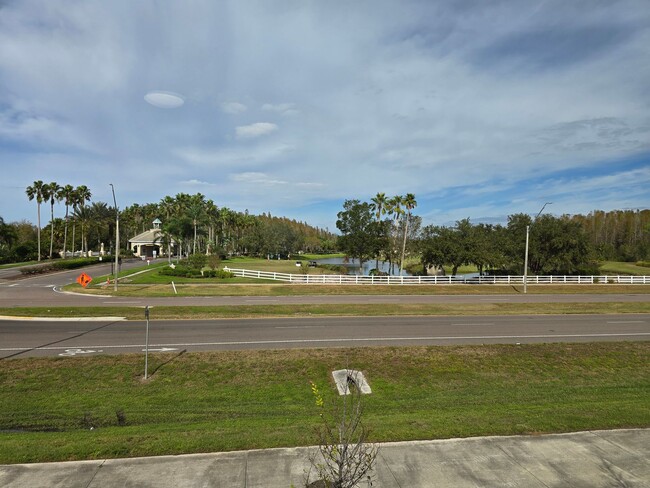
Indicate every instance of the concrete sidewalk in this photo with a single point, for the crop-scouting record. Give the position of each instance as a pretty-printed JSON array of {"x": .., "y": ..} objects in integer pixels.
[{"x": 585, "y": 459}]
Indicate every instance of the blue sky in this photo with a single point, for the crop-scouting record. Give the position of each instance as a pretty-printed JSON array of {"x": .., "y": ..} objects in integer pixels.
[{"x": 481, "y": 109}]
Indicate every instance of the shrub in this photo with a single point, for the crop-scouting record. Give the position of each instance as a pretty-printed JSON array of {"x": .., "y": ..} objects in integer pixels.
[
  {"x": 51, "y": 267},
  {"x": 197, "y": 261}
]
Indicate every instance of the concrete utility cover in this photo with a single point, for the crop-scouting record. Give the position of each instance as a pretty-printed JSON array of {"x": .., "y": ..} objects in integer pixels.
[{"x": 343, "y": 377}]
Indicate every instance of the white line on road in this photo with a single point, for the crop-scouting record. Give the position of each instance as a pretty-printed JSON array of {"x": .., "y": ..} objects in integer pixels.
[
  {"x": 626, "y": 322},
  {"x": 301, "y": 327},
  {"x": 339, "y": 340},
  {"x": 476, "y": 323}
]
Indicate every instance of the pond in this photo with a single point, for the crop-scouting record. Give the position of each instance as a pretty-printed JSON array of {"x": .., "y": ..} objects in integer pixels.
[{"x": 353, "y": 266}]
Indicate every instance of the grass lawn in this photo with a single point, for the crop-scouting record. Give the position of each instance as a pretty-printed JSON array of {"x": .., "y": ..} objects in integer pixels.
[
  {"x": 97, "y": 407},
  {"x": 152, "y": 284},
  {"x": 617, "y": 267},
  {"x": 345, "y": 310}
]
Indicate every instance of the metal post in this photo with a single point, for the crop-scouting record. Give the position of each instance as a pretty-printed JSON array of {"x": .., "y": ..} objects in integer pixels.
[
  {"x": 146, "y": 343},
  {"x": 117, "y": 237},
  {"x": 527, "y": 235}
]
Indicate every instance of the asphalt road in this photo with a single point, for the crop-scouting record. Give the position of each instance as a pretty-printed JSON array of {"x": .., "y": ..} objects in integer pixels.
[
  {"x": 80, "y": 338},
  {"x": 21, "y": 338}
]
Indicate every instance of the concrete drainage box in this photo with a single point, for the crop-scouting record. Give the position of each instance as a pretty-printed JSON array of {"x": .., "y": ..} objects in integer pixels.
[{"x": 344, "y": 378}]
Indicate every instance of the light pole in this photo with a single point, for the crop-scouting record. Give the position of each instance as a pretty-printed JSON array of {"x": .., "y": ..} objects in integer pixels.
[
  {"x": 526, "y": 255},
  {"x": 117, "y": 236}
]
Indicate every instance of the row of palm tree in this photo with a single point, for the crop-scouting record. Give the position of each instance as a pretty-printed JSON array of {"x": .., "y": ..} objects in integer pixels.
[
  {"x": 52, "y": 192},
  {"x": 399, "y": 208}
]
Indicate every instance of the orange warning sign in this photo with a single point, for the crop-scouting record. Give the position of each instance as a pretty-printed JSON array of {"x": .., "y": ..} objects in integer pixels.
[{"x": 84, "y": 279}]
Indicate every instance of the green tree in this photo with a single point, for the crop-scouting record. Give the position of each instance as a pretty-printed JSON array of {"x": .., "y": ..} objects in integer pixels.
[
  {"x": 52, "y": 193},
  {"x": 66, "y": 194},
  {"x": 81, "y": 195},
  {"x": 378, "y": 205},
  {"x": 37, "y": 191},
  {"x": 358, "y": 230},
  {"x": 409, "y": 203}
]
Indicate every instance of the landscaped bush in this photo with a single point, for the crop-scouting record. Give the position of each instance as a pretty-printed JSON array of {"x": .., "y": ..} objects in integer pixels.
[
  {"x": 218, "y": 273},
  {"x": 645, "y": 264},
  {"x": 187, "y": 272},
  {"x": 60, "y": 265}
]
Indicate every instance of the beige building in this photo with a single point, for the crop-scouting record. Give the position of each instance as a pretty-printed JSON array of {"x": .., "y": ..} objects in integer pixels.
[{"x": 150, "y": 244}]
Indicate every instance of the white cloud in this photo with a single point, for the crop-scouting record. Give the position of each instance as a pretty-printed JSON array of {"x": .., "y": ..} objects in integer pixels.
[
  {"x": 255, "y": 130},
  {"x": 254, "y": 178},
  {"x": 255, "y": 155},
  {"x": 164, "y": 99},
  {"x": 281, "y": 108},
  {"x": 233, "y": 107}
]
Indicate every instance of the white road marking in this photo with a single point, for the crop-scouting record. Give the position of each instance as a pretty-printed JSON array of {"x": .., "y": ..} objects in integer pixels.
[
  {"x": 74, "y": 352},
  {"x": 476, "y": 323},
  {"x": 301, "y": 327},
  {"x": 626, "y": 322},
  {"x": 336, "y": 340}
]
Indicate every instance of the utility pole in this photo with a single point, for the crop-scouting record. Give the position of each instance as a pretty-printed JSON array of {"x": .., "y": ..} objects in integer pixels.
[
  {"x": 117, "y": 237},
  {"x": 526, "y": 256}
]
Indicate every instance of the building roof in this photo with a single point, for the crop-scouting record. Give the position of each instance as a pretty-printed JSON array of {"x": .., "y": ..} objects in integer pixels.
[{"x": 146, "y": 237}]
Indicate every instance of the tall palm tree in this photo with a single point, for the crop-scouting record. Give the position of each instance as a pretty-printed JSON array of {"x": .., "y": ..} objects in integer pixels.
[
  {"x": 394, "y": 208},
  {"x": 67, "y": 195},
  {"x": 379, "y": 206},
  {"x": 82, "y": 195},
  {"x": 52, "y": 193},
  {"x": 196, "y": 211},
  {"x": 409, "y": 203},
  {"x": 37, "y": 191}
]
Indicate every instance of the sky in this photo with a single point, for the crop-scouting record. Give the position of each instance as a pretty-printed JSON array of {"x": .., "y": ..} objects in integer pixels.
[{"x": 480, "y": 109}]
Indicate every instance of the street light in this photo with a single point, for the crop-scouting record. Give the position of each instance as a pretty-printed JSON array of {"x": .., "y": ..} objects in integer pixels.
[
  {"x": 526, "y": 256},
  {"x": 117, "y": 236}
]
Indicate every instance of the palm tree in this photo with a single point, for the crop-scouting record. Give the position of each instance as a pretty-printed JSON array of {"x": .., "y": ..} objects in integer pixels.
[
  {"x": 409, "y": 203},
  {"x": 394, "y": 208},
  {"x": 82, "y": 195},
  {"x": 51, "y": 193},
  {"x": 67, "y": 195},
  {"x": 37, "y": 190},
  {"x": 379, "y": 205},
  {"x": 196, "y": 211}
]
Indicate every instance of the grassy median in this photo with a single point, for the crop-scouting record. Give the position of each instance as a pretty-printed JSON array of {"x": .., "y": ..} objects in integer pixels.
[
  {"x": 98, "y": 407},
  {"x": 342, "y": 310}
]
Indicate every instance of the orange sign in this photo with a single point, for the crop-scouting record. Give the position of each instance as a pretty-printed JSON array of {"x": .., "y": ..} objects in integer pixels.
[{"x": 84, "y": 279}]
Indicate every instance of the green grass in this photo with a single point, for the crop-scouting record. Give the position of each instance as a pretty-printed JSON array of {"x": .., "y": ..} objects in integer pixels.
[
  {"x": 151, "y": 284},
  {"x": 16, "y": 265},
  {"x": 225, "y": 401},
  {"x": 346, "y": 310},
  {"x": 618, "y": 267}
]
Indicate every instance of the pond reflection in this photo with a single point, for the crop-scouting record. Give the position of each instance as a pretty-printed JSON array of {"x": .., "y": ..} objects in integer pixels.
[{"x": 353, "y": 266}]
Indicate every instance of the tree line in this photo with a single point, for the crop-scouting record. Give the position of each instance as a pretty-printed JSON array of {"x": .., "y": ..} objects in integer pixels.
[
  {"x": 384, "y": 228},
  {"x": 557, "y": 245},
  {"x": 194, "y": 223}
]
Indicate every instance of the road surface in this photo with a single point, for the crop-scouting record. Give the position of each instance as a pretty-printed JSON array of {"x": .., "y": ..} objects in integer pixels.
[{"x": 80, "y": 338}]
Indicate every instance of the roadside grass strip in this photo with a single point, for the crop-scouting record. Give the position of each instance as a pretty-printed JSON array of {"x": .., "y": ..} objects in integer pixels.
[
  {"x": 100, "y": 407},
  {"x": 343, "y": 310},
  {"x": 236, "y": 287}
]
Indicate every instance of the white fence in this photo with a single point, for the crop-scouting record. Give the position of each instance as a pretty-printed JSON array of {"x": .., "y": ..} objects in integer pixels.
[{"x": 437, "y": 280}]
